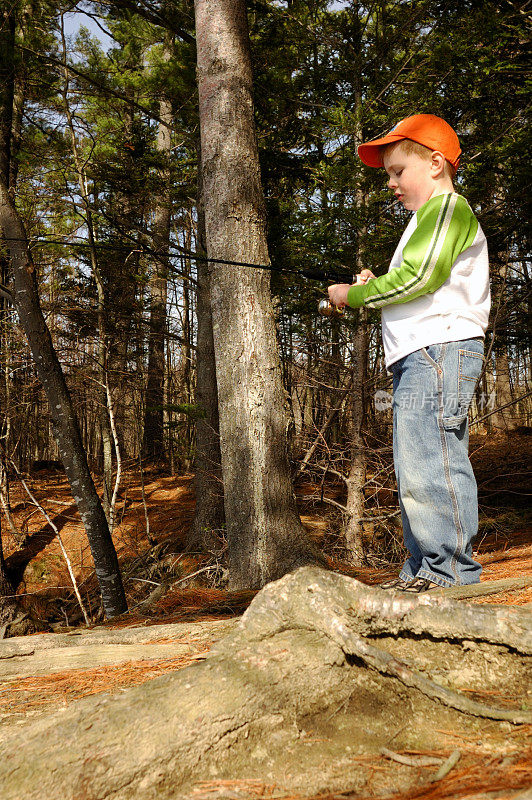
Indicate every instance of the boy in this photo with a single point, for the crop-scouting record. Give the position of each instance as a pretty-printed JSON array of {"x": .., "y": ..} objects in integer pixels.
[{"x": 435, "y": 301}]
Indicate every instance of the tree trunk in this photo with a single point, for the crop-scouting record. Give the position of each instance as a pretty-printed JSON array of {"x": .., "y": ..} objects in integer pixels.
[
  {"x": 209, "y": 513},
  {"x": 7, "y": 86},
  {"x": 19, "y": 94},
  {"x": 184, "y": 371},
  {"x": 153, "y": 438},
  {"x": 8, "y": 602},
  {"x": 505, "y": 420},
  {"x": 122, "y": 287},
  {"x": 65, "y": 424},
  {"x": 265, "y": 536},
  {"x": 354, "y": 534},
  {"x": 310, "y": 646}
]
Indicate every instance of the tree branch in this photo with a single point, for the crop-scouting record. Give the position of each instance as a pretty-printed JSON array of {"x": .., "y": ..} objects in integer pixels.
[{"x": 151, "y": 13}]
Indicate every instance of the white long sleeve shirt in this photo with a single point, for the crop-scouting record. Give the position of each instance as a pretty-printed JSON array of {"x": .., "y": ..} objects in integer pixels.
[{"x": 437, "y": 286}]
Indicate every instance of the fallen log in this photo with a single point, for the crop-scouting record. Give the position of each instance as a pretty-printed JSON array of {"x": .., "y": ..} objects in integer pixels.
[
  {"x": 43, "y": 654},
  {"x": 487, "y": 588},
  {"x": 136, "y": 634}
]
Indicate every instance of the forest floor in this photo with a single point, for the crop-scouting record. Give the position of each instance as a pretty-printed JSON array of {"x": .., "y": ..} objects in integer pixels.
[{"x": 181, "y": 596}]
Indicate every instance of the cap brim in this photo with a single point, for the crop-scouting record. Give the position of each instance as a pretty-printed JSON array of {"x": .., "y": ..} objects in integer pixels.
[{"x": 371, "y": 153}]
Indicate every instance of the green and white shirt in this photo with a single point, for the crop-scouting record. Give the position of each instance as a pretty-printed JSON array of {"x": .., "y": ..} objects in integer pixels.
[{"x": 437, "y": 286}]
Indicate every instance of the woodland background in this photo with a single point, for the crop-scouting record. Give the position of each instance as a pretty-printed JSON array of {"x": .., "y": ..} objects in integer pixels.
[{"x": 103, "y": 169}]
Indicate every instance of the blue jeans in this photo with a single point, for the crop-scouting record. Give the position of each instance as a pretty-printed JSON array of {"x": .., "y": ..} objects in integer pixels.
[{"x": 433, "y": 388}]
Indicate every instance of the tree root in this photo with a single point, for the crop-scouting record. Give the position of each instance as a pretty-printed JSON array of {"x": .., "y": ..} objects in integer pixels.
[
  {"x": 447, "y": 766},
  {"x": 383, "y": 662},
  {"x": 308, "y": 597},
  {"x": 313, "y": 599},
  {"x": 285, "y": 658}
]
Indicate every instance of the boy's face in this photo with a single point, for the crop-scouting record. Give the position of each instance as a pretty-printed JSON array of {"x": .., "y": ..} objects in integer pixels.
[{"x": 411, "y": 176}]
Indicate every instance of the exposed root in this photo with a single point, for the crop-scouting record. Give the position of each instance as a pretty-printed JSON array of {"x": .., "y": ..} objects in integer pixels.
[
  {"x": 336, "y": 605},
  {"x": 309, "y": 597},
  {"x": 383, "y": 662}
]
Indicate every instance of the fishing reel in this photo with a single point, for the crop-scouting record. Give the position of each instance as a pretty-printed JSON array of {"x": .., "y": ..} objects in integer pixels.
[{"x": 328, "y": 309}]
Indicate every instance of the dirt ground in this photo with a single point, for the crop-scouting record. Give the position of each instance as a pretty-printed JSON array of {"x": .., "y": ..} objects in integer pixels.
[{"x": 495, "y": 759}]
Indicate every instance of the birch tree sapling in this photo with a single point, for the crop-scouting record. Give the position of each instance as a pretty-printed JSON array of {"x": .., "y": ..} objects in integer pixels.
[
  {"x": 153, "y": 443},
  {"x": 354, "y": 534},
  {"x": 87, "y": 215},
  {"x": 265, "y": 536}
]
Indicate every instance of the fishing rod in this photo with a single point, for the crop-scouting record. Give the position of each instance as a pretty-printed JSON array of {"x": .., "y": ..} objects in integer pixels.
[
  {"x": 325, "y": 307},
  {"x": 307, "y": 273}
]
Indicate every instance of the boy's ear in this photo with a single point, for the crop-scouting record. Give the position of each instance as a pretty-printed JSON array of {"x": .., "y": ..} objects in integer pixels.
[{"x": 438, "y": 163}]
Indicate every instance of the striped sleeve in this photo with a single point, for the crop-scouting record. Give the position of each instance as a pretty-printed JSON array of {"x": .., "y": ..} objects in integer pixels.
[{"x": 446, "y": 227}]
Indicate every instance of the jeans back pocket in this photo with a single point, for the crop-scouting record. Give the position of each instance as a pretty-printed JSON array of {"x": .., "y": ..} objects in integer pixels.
[{"x": 469, "y": 369}]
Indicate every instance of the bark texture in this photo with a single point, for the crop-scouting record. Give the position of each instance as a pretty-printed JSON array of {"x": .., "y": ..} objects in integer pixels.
[
  {"x": 7, "y": 85},
  {"x": 308, "y": 642},
  {"x": 265, "y": 536}
]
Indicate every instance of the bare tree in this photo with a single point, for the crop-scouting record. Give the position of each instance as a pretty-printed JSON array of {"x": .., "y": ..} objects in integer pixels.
[
  {"x": 88, "y": 218},
  {"x": 26, "y": 301},
  {"x": 357, "y": 472}
]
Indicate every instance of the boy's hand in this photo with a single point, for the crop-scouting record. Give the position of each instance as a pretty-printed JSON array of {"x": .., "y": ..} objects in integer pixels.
[
  {"x": 338, "y": 294},
  {"x": 338, "y": 291},
  {"x": 364, "y": 276}
]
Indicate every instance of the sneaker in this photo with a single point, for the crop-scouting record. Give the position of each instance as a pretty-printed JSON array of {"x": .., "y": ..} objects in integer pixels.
[
  {"x": 394, "y": 583},
  {"x": 417, "y": 585}
]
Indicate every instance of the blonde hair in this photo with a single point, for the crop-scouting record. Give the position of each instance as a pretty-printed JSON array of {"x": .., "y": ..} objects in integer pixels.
[{"x": 409, "y": 147}]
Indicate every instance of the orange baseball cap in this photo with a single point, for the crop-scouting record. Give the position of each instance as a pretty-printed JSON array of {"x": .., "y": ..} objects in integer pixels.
[{"x": 425, "y": 129}]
